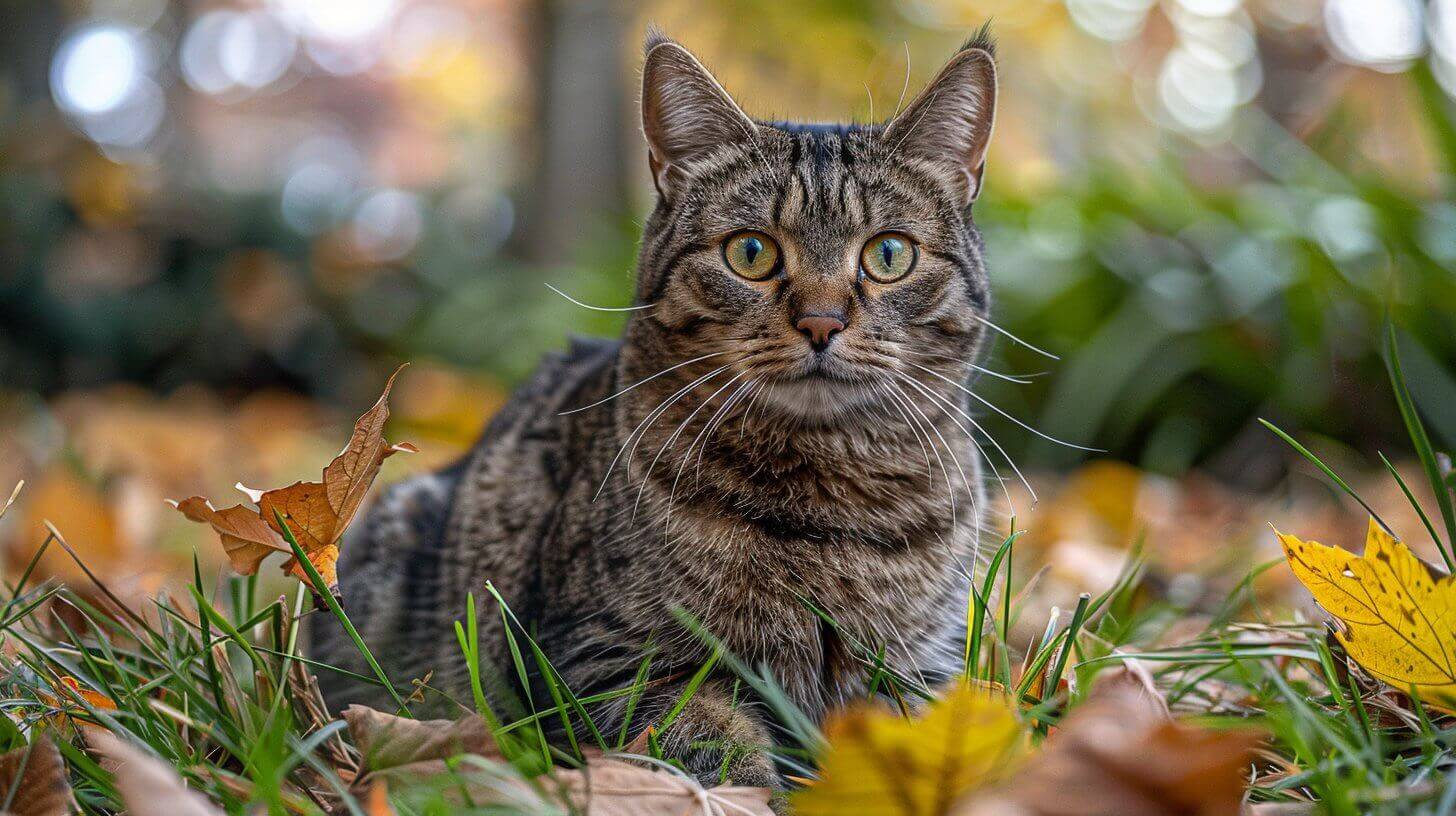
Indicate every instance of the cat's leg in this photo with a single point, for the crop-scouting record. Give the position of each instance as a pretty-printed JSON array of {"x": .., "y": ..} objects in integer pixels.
[{"x": 718, "y": 739}]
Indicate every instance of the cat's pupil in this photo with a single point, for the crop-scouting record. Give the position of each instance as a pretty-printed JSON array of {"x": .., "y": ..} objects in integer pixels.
[
  {"x": 887, "y": 250},
  {"x": 751, "y": 248}
]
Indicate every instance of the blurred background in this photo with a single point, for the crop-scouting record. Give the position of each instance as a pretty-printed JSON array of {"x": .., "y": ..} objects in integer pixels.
[{"x": 223, "y": 223}]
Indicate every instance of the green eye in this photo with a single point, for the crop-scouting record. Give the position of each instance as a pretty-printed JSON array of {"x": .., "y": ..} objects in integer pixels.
[
  {"x": 888, "y": 257},
  {"x": 751, "y": 254}
]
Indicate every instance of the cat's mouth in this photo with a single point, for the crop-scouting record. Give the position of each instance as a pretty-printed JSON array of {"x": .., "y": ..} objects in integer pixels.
[{"x": 823, "y": 368}]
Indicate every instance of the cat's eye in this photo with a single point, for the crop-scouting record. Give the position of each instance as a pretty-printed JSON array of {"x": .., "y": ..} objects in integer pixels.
[
  {"x": 888, "y": 257},
  {"x": 751, "y": 254}
]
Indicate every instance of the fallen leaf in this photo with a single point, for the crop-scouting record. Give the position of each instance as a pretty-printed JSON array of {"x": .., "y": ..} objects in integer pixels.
[
  {"x": 612, "y": 787},
  {"x": 148, "y": 786},
  {"x": 33, "y": 780},
  {"x": 377, "y": 803},
  {"x": 246, "y": 538},
  {"x": 89, "y": 515},
  {"x": 400, "y": 754},
  {"x": 316, "y": 513},
  {"x": 1120, "y": 753},
  {"x": 880, "y": 763},
  {"x": 387, "y": 741},
  {"x": 95, "y": 698},
  {"x": 1398, "y": 613}
]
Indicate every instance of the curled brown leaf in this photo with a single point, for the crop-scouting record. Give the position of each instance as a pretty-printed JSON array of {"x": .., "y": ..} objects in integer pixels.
[{"x": 33, "y": 780}]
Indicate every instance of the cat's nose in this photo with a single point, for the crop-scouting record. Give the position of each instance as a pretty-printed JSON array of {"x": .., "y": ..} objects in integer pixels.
[{"x": 820, "y": 329}]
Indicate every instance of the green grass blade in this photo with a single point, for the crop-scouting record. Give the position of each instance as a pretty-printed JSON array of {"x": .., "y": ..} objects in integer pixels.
[
  {"x": 1410, "y": 497},
  {"x": 1334, "y": 477},
  {"x": 321, "y": 590},
  {"x": 1422, "y": 443},
  {"x": 694, "y": 683}
]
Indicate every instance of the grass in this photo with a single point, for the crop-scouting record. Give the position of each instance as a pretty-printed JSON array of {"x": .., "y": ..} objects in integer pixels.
[{"x": 223, "y": 692}]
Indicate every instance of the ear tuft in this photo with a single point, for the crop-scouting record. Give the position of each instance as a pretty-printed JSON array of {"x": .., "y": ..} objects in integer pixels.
[
  {"x": 982, "y": 40},
  {"x": 950, "y": 121},
  {"x": 654, "y": 38}
]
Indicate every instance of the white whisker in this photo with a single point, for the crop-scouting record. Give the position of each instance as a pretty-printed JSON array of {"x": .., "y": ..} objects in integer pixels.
[
  {"x": 949, "y": 485},
  {"x": 600, "y": 308},
  {"x": 993, "y": 407},
  {"x": 674, "y": 436},
  {"x": 642, "y": 382},
  {"x": 913, "y": 427},
  {"x": 938, "y": 399},
  {"x": 948, "y": 449},
  {"x": 1013, "y": 338},
  {"x": 662, "y": 406}
]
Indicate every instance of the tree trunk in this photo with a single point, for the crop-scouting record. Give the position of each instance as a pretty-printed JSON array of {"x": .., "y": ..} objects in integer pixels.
[{"x": 580, "y": 174}]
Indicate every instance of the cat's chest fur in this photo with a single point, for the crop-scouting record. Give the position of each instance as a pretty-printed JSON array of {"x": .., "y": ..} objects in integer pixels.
[{"x": 804, "y": 555}]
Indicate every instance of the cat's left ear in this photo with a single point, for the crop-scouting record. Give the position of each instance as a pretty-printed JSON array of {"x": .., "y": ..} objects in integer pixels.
[
  {"x": 686, "y": 114},
  {"x": 951, "y": 120}
]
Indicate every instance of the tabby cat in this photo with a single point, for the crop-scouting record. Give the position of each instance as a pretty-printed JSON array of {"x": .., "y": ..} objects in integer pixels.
[{"x": 782, "y": 425}]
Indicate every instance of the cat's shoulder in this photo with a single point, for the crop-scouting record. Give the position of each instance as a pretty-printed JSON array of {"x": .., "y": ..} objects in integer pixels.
[{"x": 559, "y": 381}]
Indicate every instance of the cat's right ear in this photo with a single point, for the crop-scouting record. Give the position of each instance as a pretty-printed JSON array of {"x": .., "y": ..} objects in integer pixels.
[{"x": 686, "y": 114}]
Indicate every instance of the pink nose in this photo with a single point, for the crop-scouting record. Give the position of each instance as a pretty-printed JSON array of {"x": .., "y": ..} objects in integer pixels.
[{"x": 819, "y": 329}]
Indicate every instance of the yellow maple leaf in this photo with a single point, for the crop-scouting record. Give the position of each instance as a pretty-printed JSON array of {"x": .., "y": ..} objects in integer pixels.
[
  {"x": 881, "y": 764},
  {"x": 317, "y": 513},
  {"x": 1399, "y": 613}
]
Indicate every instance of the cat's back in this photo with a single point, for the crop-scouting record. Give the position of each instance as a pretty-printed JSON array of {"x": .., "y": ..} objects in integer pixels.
[{"x": 405, "y": 569}]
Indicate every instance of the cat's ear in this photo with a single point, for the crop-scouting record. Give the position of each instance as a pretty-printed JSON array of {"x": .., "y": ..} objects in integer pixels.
[
  {"x": 951, "y": 120},
  {"x": 686, "y": 114}
]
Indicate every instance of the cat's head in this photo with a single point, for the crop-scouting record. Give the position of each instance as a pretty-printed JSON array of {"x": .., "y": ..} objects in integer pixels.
[{"x": 822, "y": 262}]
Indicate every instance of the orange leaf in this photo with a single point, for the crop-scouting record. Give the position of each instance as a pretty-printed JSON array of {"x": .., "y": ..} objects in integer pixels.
[
  {"x": 246, "y": 538},
  {"x": 316, "y": 513}
]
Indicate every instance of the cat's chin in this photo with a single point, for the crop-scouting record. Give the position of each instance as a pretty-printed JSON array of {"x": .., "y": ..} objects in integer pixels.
[{"x": 818, "y": 398}]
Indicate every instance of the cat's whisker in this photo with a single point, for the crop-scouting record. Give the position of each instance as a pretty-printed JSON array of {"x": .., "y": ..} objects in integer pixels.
[
  {"x": 720, "y": 417},
  {"x": 913, "y": 427},
  {"x": 966, "y": 482},
  {"x": 986, "y": 321},
  {"x": 704, "y": 436},
  {"x": 643, "y": 424},
  {"x": 942, "y": 403},
  {"x": 643, "y": 382},
  {"x": 1019, "y": 379},
  {"x": 664, "y": 407},
  {"x": 748, "y": 409},
  {"x": 995, "y": 408},
  {"x": 672, "y": 439},
  {"x": 905, "y": 87},
  {"x": 990, "y": 438},
  {"x": 949, "y": 485},
  {"x": 600, "y": 308}
]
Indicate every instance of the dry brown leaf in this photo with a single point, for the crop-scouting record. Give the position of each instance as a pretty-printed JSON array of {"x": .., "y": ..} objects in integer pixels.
[
  {"x": 33, "y": 777},
  {"x": 377, "y": 803},
  {"x": 612, "y": 787},
  {"x": 148, "y": 786},
  {"x": 317, "y": 513},
  {"x": 90, "y": 517},
  {"x": 95, "y": 698},
  {"x": 1120, "y": 753},
  {"x": 246, "y": 538},
  {"x": 400, "y": 752},
  {"x": 387, "y": 741}
]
